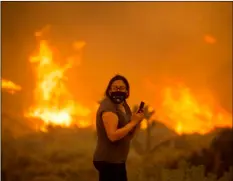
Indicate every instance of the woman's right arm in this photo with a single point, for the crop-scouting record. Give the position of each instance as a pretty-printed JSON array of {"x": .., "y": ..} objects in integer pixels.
[{"x": 110, "y": 121}]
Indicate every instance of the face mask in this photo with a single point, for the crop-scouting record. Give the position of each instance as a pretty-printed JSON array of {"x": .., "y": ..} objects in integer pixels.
[{"x": 118, "y": 97}]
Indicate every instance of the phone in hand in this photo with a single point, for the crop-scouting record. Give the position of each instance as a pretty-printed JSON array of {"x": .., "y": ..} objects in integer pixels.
[{"x": 141, "y": 106}]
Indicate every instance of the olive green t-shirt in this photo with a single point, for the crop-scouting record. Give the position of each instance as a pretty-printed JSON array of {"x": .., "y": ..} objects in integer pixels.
[{"x": 106, "y": 150}]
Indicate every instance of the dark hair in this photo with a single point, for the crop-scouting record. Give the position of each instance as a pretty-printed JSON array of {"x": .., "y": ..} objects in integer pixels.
[{"x": 117, "y": 77}]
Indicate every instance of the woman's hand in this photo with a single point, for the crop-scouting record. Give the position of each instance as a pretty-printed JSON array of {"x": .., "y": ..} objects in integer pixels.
[{"x": 137, "y": 117}]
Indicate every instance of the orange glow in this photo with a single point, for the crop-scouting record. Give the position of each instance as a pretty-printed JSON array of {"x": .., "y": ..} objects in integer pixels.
[
  {"x": 143, "y": 124},
  {"x": 53, "y": 102},
  {"x": 10, "y": 86},
  {"x": 209, "y": 39},
  {"x": 185, "y": 113},
  {"x": 179, "y": 108}
]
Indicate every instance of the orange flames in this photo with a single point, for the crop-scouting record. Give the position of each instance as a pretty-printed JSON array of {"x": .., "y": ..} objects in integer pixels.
[
  {"x": 53, "y": 102},
  {"x": 186, "y": 113},
  {"x": 10, "y": 86}
]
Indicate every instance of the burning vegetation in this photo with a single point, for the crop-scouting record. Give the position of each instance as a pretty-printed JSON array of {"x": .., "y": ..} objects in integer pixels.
[
  {"x": 179, "y": 108},
  {"x": 179, "y": 113},
  {"x": 10, "y": 86},
  {"x": 53, "y": 102},
  {"x": 185, "y": 113}
]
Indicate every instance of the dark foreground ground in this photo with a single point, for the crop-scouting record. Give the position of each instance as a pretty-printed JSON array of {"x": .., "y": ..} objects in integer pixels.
[{"x": 66, "y": 155}]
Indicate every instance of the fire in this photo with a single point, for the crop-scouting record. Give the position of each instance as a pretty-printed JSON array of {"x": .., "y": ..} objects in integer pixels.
[
  {"x": 10, "y": 86},
  {"x": 53, "y": 102},
  {"x": 185, "y": 113},
  {"x": 143, "y": 124}
]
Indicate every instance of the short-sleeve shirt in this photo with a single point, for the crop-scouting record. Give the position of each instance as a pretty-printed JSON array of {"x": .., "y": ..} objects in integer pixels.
[{"x": 106, "y": 150}]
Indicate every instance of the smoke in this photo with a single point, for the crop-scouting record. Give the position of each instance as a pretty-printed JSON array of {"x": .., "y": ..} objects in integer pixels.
[
  {"x": 191, "y": 42},
  {"x": 154, "y": 40},
  {"x": 173, "y": 36}
]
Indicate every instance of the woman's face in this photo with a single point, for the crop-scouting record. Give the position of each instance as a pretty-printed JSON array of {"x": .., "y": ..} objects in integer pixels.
[
  {"x": 118, "y": 85},
  {"x": 118, "y": 92}
]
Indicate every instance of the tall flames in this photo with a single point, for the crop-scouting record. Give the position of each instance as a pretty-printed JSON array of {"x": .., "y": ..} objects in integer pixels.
[
  {"x": 53, "y": 102},
  {"x": 184, "y": 112}
]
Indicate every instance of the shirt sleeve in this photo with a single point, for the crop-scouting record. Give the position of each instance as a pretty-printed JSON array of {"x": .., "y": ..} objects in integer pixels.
[{"x": 107, "y": 106}]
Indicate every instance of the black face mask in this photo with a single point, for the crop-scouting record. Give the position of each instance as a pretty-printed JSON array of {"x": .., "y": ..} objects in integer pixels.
[{"x": 118, "y": 97}]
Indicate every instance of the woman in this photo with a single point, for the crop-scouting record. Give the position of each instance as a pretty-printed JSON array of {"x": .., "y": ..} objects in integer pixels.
[{"x": 115, "y": 126}]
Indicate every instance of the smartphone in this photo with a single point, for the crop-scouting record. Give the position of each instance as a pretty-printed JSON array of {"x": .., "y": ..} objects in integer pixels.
[{"x": 141, "y": 106}]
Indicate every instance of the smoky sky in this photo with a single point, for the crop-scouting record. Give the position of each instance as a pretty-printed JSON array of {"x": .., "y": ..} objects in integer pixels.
[{"x": 142, "y": 40}]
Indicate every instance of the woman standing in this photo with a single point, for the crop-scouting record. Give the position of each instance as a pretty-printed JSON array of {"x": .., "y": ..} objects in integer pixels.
[{"x": 115, "y": 126}]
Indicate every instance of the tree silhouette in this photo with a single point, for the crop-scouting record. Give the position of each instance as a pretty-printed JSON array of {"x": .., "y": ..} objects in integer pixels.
[{"x": 150, "y": 123}]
